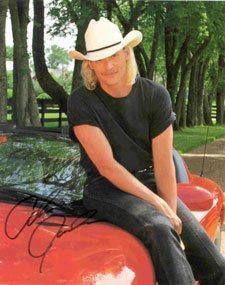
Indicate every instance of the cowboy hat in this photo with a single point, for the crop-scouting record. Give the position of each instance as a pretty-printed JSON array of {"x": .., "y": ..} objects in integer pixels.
[{"x": 103, "y": 38}]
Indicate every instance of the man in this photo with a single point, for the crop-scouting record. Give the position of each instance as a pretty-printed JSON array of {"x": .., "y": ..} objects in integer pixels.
[{"x": 123, "y": 124}]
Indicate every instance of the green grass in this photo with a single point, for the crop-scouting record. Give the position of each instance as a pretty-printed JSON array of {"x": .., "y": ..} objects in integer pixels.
[
  {"x": 55, "y": 124},
  {"x": 189, "y": 138},
  {"x": 53, "y": 115},
  {"x": 47, "y": 116}
]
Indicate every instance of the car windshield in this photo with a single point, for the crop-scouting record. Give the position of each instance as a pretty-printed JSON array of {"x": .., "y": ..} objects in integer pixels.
[{"x": 42, "y": 165}]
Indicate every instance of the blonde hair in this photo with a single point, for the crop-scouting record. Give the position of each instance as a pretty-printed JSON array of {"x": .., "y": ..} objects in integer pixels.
[{"x": 90, "y": 80}]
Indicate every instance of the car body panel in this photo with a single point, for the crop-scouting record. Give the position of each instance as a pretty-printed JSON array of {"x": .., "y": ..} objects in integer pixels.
[
  {"x": 42, "y": 246},
  {"x": 79, "y": 256}
]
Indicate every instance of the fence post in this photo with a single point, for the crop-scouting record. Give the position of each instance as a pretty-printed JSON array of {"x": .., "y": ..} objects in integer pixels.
[
  {"x": 42, "y": 112},
  {"x": 60, "y": 117}
]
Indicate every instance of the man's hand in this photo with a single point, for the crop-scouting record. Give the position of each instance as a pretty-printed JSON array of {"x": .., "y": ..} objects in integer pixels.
[{"x": 165, "y": 209}]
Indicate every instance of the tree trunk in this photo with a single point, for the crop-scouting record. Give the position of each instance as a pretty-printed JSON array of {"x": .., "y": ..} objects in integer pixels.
[
  {"x": 220, "y": 93},
  {"x": 3, "y": 74},
  {"x": 25, "y": 108},
  {"x": 140, "y": 62},
  {"x": 200, "y": 98},
  {"x": 207, "y": 109},
  {"x": 183, "y": 118},
  {"x": 155, "y": 43},
  {"x": 181, "y": 103},
  {"x": 46, "y": 81},
  {"x": 169, "y": 57},
  {"x": 181, "y": 95},
  {"x": 220, "y": 96},
  {"x": 192, "y": 98},
  {"x": 108, "y": 5}
]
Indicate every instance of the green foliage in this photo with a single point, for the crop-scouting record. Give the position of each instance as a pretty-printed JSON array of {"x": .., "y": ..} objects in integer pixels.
[
  {"x": 10, "y": 79},
  {"x": 62, "y": 14},
  {"x": 57, "y": 57},
  {"x": 9, "y": 93},
  {"x": 37, "y": 88},
  {"x": 67, "y": 12},
  {"x": 44, "y": 96},
  {"x": 192, "y": 20},
  {"x": 65, "y": 80},
  {"x": 215, "y": 15},
  {"x": 9, "y": 53}
]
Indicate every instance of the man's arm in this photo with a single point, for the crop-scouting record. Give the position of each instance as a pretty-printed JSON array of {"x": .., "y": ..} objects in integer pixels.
[
  {"x": 162, "y": 147},
  {"x": 99, "y": 151}
]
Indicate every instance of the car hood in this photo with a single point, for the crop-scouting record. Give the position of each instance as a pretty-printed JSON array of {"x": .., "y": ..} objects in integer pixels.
[{"x": 67, "y": 250}]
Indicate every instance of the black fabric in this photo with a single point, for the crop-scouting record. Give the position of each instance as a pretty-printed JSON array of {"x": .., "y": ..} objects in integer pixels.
[{"x": 142, "y": 115}]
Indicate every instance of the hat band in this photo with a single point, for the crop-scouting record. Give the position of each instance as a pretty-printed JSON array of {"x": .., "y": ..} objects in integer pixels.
[{"x": 104, "y": 47}]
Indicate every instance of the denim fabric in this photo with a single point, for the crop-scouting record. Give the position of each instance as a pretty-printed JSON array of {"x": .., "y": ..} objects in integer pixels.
[{"x": 201, "y": 259}]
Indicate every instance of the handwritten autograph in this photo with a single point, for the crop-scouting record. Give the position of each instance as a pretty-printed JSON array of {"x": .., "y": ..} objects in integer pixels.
[{"x": 42, "y": 213}]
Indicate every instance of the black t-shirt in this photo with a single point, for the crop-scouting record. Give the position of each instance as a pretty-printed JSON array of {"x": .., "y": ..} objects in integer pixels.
[{"x": 142, "y": 115}]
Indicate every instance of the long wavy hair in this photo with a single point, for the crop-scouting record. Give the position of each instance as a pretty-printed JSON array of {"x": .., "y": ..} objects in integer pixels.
[{"x": 90, "y": 80}]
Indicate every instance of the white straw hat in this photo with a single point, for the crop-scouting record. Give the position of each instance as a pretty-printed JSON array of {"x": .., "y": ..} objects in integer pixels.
[{"x": 103, "y": 38}]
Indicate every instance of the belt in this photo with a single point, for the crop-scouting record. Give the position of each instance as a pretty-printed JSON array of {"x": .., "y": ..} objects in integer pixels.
[
  {"x": 149, "y": 169},
  {"x": 137, "y": 173}
]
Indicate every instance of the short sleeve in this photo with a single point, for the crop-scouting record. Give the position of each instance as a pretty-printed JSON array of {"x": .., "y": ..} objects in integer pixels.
[
  {"x": 162, "y": 115},
  {"x": 79, "y": 113}
]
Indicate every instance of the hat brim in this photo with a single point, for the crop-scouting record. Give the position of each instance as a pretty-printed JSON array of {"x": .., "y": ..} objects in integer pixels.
[{"x": 132, "y": 39}]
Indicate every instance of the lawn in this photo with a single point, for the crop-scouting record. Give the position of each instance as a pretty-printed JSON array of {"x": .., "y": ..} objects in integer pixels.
[{"x": 189, "y": 138}]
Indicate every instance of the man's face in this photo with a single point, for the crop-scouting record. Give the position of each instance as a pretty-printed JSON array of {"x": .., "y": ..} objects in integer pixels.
[{"x": 111, "y": 71}]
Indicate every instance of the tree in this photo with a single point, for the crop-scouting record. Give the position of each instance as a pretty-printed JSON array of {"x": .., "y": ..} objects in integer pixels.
[
  {"x": 192, "y": 96},
  {"x": 3, "y": 76},
  {"x": 220, "y": 92},
  {"x": 128, "y": 15},
  {"x": 78, "y": 12},
  {"x": 57, "y": 57},
  {"x": 179, "y": 45},
  {"x": 25, "y": 108},
  {"x": 155, "y": 43},
  {"x": 46, "y": 81},
  {"x": 220, "y": 44}
]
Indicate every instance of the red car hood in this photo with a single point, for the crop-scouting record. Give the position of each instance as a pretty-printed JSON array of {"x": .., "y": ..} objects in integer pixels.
[
  {"x": 82, "y": 255},
  {"x": 68, "y": 250}
]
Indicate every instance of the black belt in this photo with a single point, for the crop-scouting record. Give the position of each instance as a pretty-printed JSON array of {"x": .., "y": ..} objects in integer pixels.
[
  {"x": 149, "y": 169},
  {"x": 136, "y": 173}
]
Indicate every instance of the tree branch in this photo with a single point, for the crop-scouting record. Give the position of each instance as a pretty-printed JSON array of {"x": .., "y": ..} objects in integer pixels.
[
  {"x": 121, "y": 18},
  {"x": 183, "y": 51},
  {"x": 199, "y": 51}
]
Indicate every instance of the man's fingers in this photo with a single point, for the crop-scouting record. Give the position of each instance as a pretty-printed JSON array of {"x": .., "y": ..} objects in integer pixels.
[{"x": 177, "y": 224}]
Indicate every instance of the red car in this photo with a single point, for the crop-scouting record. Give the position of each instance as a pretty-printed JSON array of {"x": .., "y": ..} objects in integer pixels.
[{"x": 48, "y": 237}]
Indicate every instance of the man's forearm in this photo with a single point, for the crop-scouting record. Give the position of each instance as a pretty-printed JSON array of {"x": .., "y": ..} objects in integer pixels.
[
  {"x": 167, "y": 185},
  {"x": 124, "y": 180}
]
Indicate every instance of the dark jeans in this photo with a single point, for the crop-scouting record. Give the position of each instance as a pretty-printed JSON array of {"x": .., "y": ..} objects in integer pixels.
[{"x": 201, "y": 259}]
